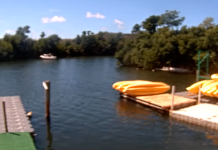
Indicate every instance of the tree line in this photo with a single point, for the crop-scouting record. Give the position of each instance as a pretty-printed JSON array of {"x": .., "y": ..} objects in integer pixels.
[
  {"x": 20, "y": 46},
  {"x": 160, "y": 40}
]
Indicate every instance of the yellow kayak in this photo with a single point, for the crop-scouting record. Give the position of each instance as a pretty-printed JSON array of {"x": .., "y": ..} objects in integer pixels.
[
  {"x": 144, "y": 93},
  {"x": 194, "y": 88}
]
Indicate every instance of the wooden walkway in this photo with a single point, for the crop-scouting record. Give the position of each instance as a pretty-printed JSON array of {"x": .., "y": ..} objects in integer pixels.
[
  {"x": 163, "y": 101},
  {"x": 204, "y": 99},
  {"x": 185, "y": 107}
]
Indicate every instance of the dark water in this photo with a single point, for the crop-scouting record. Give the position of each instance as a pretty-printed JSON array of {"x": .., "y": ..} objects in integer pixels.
[{"x": 87, "y": 114}]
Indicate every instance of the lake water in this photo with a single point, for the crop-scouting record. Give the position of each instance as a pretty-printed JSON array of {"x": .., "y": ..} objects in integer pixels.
[{"x": 87, "y": 114}]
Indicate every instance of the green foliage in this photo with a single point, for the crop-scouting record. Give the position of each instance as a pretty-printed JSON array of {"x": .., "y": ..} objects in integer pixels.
[
  {"x": 22, "y": 31},
  {"x": 6, "y": 50},
  {"x": 207, "y": 23},
  {"x": 136, "y": 28},
  {"x": 171, "y": 19},
  {"x": 151, "y": 23},
  {"x": 42, "y": 35},
  {"x": 163, "y": 45},
  {"x": 20, "y": 46}
]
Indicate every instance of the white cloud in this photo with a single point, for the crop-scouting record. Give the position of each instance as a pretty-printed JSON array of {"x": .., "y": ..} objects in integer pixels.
[
  {"x": 10, "y": 31},
  {"x": 53, "y": 19},
  {"x": 45, "y": 20},
  {"x": 118, "y": 21},
  {"x": 104, "y": 29},
  {"x": 97, "y": 15},
  {"x": 58, "y": 19},
  {"x": 34, "y": 35},
  {"x": 119, "y": 24}
]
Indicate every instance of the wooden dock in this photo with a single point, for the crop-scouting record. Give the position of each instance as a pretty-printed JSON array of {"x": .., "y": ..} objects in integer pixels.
[
  {"x": 163, "y": 101},
  {"x": 186, "y": 107}
]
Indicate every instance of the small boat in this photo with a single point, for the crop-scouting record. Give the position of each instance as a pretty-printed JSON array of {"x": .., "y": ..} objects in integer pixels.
[
  {"x": 48, "y": 56},
  {"x": 172, "y": 69}
]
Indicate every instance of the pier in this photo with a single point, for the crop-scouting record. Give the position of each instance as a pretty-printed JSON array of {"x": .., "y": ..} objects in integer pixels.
[
  {"x": 164, "y": 101},
  {"x": 202, "y": 114},
  {"x": 15, "y": 128},
  {"x": 183, "y": 106}
]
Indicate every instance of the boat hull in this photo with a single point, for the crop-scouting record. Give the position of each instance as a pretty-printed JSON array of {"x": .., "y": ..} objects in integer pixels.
[
  {"x": 171, "y": 69},
  {"x": 48, "y": 57}
]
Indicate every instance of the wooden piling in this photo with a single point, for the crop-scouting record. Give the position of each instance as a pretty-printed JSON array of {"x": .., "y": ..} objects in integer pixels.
[
  {"x": 46, "y": 85},
  {"x": 5, "y": 117},
  {"x": 199, "y": 95},
  {"x": 173, "y": 91},
  {"x": 49, "y": 136},
  {"x": 197, "y": 75}
]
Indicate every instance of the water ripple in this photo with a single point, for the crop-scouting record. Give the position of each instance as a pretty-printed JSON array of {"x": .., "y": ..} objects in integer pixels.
[{"x": 86, "y": 113}]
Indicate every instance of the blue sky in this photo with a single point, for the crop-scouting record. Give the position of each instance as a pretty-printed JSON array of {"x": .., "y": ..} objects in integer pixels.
[{"x": 67, "y": 18}]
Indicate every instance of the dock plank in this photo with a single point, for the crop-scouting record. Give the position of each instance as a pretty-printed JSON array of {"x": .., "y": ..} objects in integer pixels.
[
  {"x": 186, "y": 108},
  {"x": 165, "y": 100}
]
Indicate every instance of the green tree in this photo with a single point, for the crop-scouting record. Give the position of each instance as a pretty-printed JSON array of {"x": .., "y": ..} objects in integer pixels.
[
  {"x": 207, "y": 23},
  {"x": 42, "y": 35},
  {"x": 22, "y": 45},
  {"x": 136, "y": 28},
  {"x": 22, "y": 31},
  {"x": 171, "y": 19},
  {"x": 151, "y": 23},
  {"x": 87, "y": 43},
  {"x": 6, "y": 50}
]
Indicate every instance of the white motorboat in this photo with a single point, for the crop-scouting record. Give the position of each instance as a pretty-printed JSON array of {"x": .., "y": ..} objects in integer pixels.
[
  {"x": 48, "y": 56},
  {"x": 172, "y": 69}
]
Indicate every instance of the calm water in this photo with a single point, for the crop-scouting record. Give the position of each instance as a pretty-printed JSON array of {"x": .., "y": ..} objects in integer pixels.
[{"x": 87, "y": 114}]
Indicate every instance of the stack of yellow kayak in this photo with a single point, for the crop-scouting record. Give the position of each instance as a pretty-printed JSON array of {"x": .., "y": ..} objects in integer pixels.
[
  {"x": 208, "y": 87},
  {"x": 140, "y": 87}
]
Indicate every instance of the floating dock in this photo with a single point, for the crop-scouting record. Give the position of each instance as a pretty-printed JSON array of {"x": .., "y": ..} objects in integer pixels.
[
  {"x": 202, "y": 114},
  {"x": 163, "y": 101},
  {"x": 185, "y": 107},
  {"x": 15, "y": 127},
  {"x": 16, "y": 119},
  {"x": 16, "y": 141}
]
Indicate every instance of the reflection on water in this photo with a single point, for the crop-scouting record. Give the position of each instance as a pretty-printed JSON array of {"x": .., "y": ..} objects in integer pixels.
[
  {"x": 127, "y": 108},
  {"x": 213, "y": 137},
  {"x": 210, "y": 134},
  {"x": 133, "y": 110},
  {"x": 86, "y": 113},
  {"x": 130, "y": 109},
  {"x": 49, "y": 134}
]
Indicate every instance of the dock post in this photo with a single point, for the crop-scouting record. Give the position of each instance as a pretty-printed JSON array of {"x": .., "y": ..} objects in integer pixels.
[
  {"x": 49, "y": 136},
  {"x": 5, "y": 119},
  {"x": 46, "y": 85},
  {"x": 199, "y": 95},
  {"x": 197, "y": 75},
  {"x": 173, "y": 91}
]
